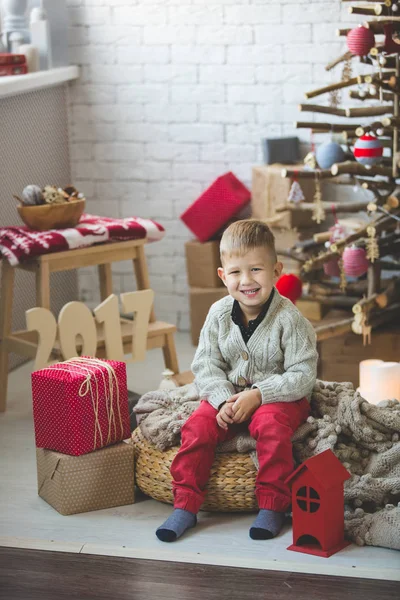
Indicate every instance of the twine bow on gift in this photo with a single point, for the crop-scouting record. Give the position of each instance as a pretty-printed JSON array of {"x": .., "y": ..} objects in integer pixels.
[{"x": 89, "y": 366}]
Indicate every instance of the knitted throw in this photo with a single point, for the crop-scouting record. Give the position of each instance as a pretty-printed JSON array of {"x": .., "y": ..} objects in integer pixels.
[{"x": 364, "y": 437}]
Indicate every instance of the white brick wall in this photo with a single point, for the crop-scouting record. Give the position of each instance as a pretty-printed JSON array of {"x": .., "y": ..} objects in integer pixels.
[{"x": 174, "y": 93}]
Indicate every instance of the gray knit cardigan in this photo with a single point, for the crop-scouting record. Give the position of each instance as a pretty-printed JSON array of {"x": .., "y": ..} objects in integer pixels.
[{"x": 280, "y": 358}]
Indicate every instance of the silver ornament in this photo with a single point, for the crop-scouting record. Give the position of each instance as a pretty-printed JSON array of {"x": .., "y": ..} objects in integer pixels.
[{"x": 32, "y": 194}]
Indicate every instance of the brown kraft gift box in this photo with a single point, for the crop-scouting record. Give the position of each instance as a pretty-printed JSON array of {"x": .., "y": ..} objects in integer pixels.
[
  {"x": 202, "y": 262},
  {"x": 200, "y": 303},
  {"x": 76, "y": 484},
  {"x": 270, "y": 189}
]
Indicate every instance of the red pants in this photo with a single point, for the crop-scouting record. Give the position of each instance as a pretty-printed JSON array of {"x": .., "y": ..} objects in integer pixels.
[{"x": 272, "y": 426}]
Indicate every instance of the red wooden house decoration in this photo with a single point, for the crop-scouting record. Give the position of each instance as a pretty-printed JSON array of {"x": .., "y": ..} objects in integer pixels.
[{"x": 318, "y": 505}]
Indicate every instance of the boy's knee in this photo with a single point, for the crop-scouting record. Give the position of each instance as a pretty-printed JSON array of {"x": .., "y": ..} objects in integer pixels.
[{"x": 201, "y": 426}]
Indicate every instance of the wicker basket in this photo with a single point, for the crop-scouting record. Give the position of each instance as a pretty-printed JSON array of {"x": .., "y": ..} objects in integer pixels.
[
  {"x": 52, "y": 216},
  {"x": 230, "y": 488}
]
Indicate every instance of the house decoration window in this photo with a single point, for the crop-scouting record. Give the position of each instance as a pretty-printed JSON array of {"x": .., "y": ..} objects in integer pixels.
[{"x": 308, "y": 499}]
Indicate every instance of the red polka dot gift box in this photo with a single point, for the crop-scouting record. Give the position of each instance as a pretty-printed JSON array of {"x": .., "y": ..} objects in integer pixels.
[
  {"x": 216, "y": 206},
  {"x": 80, "y": 405}
]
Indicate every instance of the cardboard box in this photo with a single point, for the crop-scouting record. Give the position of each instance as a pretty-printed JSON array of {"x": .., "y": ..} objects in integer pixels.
[
  {"x": 202, "y": 262},
  {"x": 201, "y": 300},
  {"x": 270, "y": 189},
  {"x": 76, "y": 484},
  {"x": 312, "y": 309}
]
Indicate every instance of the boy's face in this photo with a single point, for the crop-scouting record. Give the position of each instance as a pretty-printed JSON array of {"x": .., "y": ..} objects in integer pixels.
[{"x": 250, "y": 278}]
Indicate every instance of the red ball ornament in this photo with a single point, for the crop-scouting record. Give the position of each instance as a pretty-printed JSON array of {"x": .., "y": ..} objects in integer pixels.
[
  {"x": 290, "y": 286},
  {"x": 360, "y": 41},
  {"x": 368, "y": 150},
  {"x": 355, "y": 261}
]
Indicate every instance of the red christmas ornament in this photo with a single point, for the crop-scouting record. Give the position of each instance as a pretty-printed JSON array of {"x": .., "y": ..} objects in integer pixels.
[
  {"x": 290, "y": 286},
  {"x": 368, "y": 150},
  {"x": 360, "y": 41},
  {"x": 355, "y": 261}
]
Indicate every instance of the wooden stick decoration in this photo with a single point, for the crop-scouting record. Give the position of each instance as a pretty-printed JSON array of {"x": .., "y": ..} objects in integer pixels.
[
  {"x": 381, "y": 19},
  {"x": 377, "y": 26},
  {"x": 343, "y": 280},
  {"x": 368, "y": 111},
  {"x": 329, "y": 110},
  {"x": 342, "y": 207},
  {"x": 389, "y": 314},
  {"x": 342, "y": 84},
  {"x": 383, "y": 10},
  {"x": 333, "y": 86},
  {"x": 395, "y": 129},
  {"x": 377, "y": 128},
  {"x": 370, "y": 95},
  {"x": 325, "y": 332},
  {"x": 324, "y": 127},
  {"x": 390, "y": 121},
  {"x": 358, "y": 169},
  {"x": 358, "y": 10},
  {"x": 343, "y": 32},
  {"x": 342, "y": 58},
  {"x": 304, "y": 174}
]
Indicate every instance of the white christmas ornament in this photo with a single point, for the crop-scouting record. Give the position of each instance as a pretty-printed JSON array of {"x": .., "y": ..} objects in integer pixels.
[{"x": 296, "y": 193}]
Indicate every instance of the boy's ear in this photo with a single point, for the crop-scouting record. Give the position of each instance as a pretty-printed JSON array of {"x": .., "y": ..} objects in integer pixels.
[
  {"x": 278, "y": 268},
  {"x": 221, "y": 274}
]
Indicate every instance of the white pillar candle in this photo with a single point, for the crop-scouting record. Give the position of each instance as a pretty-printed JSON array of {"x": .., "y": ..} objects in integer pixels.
[
  {"x": 366, "y": 372},
  {"x": 386, "y": 382},
  {"x": 379, "y": 380}
]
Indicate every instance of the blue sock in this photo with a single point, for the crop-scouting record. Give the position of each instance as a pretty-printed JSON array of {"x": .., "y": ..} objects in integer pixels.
[
  {"x": 176, "y": 525},
  {"x": 267, "y": 524}
]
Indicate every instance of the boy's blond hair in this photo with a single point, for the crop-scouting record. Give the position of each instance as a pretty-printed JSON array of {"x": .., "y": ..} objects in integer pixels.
[{"x": 245, "y": 235}]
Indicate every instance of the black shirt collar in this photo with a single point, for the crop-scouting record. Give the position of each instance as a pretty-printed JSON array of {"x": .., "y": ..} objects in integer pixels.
[{"x": 237, "y": 317}]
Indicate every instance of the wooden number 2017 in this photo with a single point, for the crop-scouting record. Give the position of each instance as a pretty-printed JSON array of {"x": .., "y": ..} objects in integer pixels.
[{"x": 75, "y": 319}]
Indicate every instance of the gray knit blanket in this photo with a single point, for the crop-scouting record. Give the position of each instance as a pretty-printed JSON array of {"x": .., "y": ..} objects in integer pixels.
[{"x": 363, "y": 436}]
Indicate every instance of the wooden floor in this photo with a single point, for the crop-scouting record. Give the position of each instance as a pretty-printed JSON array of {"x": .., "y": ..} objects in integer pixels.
[{"x": 39, "y": 575}]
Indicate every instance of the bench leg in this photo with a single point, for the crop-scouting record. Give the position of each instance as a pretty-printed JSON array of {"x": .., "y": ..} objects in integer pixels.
[
  {"x": 105, "y": 279},
  {"x": 142, "y": 275},
  {"x": 6, "y": 303},
  {"x": 43, "y": 285},
  {"x": 169, "y": 351}
]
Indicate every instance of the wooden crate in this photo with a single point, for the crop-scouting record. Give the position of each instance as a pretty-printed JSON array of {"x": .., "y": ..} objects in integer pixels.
[{"x": 340, "y": 356}]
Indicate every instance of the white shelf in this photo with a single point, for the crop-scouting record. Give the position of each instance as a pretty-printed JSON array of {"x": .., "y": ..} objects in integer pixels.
[{"x": 20, "y": 84}]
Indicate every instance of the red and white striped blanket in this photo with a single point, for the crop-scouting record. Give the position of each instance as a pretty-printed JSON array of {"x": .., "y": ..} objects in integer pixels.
[{"x": 20, "y": 243}]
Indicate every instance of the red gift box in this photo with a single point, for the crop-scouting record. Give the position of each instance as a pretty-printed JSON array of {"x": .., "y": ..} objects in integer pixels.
[
  {"x": 80, "y": 405},
  {"x": 219, "y": 203}
]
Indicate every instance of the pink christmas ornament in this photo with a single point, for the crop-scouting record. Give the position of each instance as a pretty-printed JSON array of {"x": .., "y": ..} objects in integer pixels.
[
  {"x": 360, "y": 41},
  {"x": 331, "y": 268},
  {"x": 355, "y": 261}
]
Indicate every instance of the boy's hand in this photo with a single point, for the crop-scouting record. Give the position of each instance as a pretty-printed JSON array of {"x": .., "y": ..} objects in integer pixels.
[
  {"x": 225, "y": 415},
  {"x": 245, "y": 404}
]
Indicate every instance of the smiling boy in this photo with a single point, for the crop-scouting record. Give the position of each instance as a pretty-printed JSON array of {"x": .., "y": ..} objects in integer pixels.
[{"x": 254, "y": 367}]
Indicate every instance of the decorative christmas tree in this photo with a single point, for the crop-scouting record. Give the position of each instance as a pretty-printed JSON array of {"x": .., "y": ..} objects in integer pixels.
[{"x": 353, "y": 263}]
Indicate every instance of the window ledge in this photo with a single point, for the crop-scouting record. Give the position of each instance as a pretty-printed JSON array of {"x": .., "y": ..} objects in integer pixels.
[{"x": 20, "y": 84}]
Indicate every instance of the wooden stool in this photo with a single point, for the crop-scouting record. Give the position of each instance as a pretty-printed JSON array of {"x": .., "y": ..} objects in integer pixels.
[{"x": 160, "y": 334}]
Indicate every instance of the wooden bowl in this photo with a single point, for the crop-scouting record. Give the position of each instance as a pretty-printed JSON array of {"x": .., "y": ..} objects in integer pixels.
[{"x": 52, "y": 216}]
